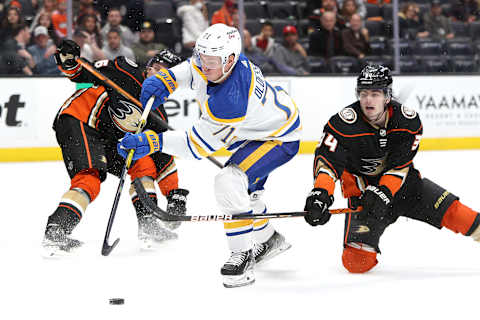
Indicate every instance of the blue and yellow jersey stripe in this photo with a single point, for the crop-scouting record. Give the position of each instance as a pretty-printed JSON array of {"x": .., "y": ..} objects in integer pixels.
[
  {"x": 222, "y": 120},
  {"x": 197, "y": 69}
]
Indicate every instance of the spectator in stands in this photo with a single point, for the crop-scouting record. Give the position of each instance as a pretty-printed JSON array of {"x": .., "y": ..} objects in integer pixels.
[
  {"x": 465, "y": 10},
  {"x": 45, "y": 20},
  {"x": 224, "y": 14},
  {"x": 88, "y": 47},
  {"x": 409, "y": 22},
  {"x": 355, "y": 39},
  {"x": 326, "y": 6},
  {"x": 291, "y": 53},
  {"x": 48, "y": 7},
  {"x": 90, "y": 24},
  {"x": 10, "y": 22},
  {"x": 437, "y": 24},
  {"x": 59, "y": 19},
  {"x": 327, "y": 40},
  {"x": 114, "y": 21},
  {"x": 347, "y": 10},
  {"x": 378, "y": 2},
  {"x": 115, "y": 47},
  {"x": 43, "y": 52},
  {"x": 146, "y": 48},
  {"x": 86, "y": 8},
  {"x": 195, "y": 20},
  {"x": 318, "y": 7},
  {"x": 27, "y": 7},
  {"x": 247, "y": 37},
  {"x": 15, "y": 57},
  {"x": 264, "y": 41}
]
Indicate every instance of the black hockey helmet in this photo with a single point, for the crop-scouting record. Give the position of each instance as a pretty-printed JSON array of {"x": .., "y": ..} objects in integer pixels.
[
  {"x": 165, "y": 57},
  {"x": 375, "y": 76}
]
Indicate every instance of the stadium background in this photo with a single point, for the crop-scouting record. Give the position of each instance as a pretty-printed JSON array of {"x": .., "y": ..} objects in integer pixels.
[{"x": 435, "y": 76}]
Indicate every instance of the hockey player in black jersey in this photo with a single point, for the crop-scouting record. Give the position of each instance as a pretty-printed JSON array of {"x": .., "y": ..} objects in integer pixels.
[
  {"x": 88, "y": 127},
  {"x": 369, "y": 146}
]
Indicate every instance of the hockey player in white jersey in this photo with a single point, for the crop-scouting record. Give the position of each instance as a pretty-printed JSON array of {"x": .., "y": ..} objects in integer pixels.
[{"x": 243, "y": 112}]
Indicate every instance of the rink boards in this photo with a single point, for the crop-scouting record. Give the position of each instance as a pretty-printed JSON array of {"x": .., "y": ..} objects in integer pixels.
[{"x": 449, "y": 107}]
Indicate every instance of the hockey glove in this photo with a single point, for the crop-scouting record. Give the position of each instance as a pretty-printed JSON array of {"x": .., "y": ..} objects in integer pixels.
[
  {"x": 318, "y": 202},
  {"x": 66, "y": 54},
  {"x": 160, "y": 85},
  {"x": 144, "y": 143},
  {"x": 377, "y": 201}
]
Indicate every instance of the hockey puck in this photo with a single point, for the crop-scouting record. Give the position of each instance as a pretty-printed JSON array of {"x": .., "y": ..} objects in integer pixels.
[{"x": 116, "y": 301}]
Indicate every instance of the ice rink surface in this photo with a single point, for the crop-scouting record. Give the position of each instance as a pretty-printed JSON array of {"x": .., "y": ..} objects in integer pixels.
[{"x": 423, "y": 273}]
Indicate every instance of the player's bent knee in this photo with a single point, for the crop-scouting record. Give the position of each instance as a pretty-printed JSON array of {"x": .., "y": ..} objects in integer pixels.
[
  {"x": 358, "y": 260},
  {"x": 231, "y": 189},
  {"x": 143, "y": 167},
  {"x": 88, "y": 181}
]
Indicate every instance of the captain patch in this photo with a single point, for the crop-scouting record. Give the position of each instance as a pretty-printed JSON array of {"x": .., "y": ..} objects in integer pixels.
[{"x": 348, "y": 115}]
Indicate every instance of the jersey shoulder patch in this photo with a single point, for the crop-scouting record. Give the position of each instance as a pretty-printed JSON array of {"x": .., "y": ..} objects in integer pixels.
[
  {"x": 131, "y": 63},
  {"x": 405, "y": 118},
  {"x": 346, "y": 122},
  {"x": 407, "y": 112},
  {"x": 348, "y": 115}
]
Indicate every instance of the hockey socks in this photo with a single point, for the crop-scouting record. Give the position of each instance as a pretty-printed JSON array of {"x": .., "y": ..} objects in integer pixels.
[
  {"x": 140, "y": 209},
  {"x": 460, "y": 218},
  {"x": 70, "y": 210}
]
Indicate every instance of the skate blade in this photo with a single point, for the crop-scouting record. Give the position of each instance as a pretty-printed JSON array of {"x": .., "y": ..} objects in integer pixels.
[
  {"x": 52, "y": 252},
  {"x": 245, "y": 279},
  {"x": 172, "y": 225},
  {"x": 148, "y": 243},
  {"x": 275, "y": 252}
]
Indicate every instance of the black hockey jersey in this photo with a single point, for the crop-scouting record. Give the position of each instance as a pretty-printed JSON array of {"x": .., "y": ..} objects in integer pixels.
[
  {"x": 102, "y": 107},
  {"x": 350, "y": 143}
]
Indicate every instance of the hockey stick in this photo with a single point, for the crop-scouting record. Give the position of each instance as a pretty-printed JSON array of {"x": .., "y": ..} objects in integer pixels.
[
  {"x": 165, "y": 216},
  {"x": 124, "y": 93},
  {"x": 106, "y": 248}
]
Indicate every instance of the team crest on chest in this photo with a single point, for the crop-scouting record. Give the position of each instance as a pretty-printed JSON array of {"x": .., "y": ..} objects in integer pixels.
[
  {"x": 408, "y": 113},
  {"x": 348, "y": 115},
  {"x": 125, "y": 116}
]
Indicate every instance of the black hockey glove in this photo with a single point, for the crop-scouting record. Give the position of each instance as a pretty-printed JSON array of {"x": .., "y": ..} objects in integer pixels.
[
  {"x": 66, "y": 54},
  {"x": 317, "y": 204},
  {"x": 377, "y": 201}
]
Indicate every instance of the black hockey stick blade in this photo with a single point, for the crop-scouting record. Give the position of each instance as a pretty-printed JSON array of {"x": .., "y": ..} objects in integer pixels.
[
  {"x": 165, "y": 216},
  {"x": 106, "y": 249}
]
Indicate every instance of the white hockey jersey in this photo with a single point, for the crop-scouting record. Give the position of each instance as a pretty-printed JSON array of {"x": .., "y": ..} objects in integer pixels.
[{"x": 244, "y": 107}]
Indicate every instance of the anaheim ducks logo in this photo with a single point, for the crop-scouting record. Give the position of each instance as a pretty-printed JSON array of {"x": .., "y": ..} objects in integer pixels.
[
  {"x": 372, "y": 167},
  {"x": 348, "y": 115},
  {"x": 126, "y": 116},
  {"x": 362, "y": 229},
  {"x": 408, "y": 113}
]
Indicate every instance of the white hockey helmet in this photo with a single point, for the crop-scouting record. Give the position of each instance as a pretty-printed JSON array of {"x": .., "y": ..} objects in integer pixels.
[{"x": 221, "y": 41}]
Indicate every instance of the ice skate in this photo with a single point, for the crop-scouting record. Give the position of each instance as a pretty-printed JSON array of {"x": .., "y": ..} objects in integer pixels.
[
  {"x": 152, "y": 230},
  {"x": 57, "y": 243},
  {"x": 275, "y": 245},
  {"x": 177, "y": 202},
  {"x": 238, "y": 270}
]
